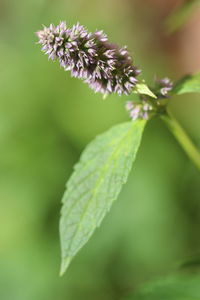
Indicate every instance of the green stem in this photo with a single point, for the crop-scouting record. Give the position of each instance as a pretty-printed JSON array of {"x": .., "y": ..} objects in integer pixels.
[{"x": 182, "y": 138}]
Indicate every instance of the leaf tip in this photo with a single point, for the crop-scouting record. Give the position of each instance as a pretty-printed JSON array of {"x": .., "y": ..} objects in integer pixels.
[{"x": 64, "y": 265}]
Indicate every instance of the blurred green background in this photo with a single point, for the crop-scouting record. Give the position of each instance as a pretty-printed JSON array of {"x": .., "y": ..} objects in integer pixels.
[{"x": 47, "y": 118}]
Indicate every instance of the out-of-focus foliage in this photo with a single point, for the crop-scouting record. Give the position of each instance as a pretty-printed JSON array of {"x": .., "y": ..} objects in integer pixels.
[
  {"x": 180, "y": 16},
  {"x": 47, "y": 118},
  {"x": 176, "y": 287},
  {"x": 188, "y": 84}
]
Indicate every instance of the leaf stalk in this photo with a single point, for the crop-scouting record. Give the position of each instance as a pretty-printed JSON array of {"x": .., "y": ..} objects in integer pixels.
[{"x": 182, "y": 137}]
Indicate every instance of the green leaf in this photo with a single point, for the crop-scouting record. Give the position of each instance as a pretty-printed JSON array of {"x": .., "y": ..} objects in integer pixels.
[
  {"x": 95, "y": 183},
  {"x": 181, "y": 15},
  {"x": 188, "y": 84},
  {"x": 143, "y": 89},
  {"x": 176, "y": 287}
]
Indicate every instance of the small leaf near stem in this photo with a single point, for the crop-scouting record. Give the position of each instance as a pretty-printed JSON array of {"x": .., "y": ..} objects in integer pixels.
[
  {"x": 182, "y": 138},
  {"x": 143, "y": 89}
]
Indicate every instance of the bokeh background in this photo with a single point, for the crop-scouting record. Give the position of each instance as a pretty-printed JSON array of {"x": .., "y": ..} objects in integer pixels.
[{"x": 47, "y": 118}]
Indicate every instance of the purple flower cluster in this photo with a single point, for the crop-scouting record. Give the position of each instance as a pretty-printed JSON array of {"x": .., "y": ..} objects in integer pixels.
[
  {"x": 164, "y": 86},
  {"x": 139, "y": 110},
  {"x": 89, "y": 56}
]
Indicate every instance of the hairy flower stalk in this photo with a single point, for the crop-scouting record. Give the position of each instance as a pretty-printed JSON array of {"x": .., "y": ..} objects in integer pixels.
[{"x": 104, "y": 66}]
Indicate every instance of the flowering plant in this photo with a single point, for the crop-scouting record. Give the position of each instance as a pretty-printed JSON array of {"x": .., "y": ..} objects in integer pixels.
[{"x": 106, "y": 162}]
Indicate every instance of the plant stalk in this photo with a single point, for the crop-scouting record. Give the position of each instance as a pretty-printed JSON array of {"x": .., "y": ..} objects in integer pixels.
[{"x": 182, "y": 138}]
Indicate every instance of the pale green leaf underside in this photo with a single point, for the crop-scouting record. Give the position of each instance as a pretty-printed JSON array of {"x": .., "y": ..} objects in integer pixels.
[
  {"x": 142, "y": 88},
  {"x": 188, "y": 84},
  {"x": 95, "y": 183},
  {"x": 176, "y": 287}
]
